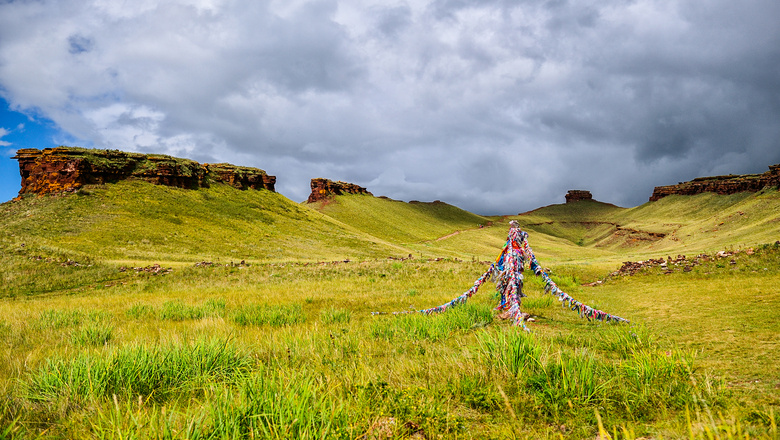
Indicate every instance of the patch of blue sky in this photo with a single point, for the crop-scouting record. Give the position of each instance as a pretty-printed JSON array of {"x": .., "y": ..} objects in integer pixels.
[{"x": 21, "y": 130}]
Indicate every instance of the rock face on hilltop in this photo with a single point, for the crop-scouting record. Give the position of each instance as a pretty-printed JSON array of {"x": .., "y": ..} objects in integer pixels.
[
  {"x": 323, "y": 188},
  {"x": 575, "y": 195},
  {"x": 241, "y": 177},
  {"x": 723, "y": 185},
  {"x": 62, "y": 169}
]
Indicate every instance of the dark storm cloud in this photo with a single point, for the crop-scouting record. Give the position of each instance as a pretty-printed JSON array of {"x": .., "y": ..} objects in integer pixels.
[
  {"x": 79, "y": 44},
  {"x": 493, "y": 105}
]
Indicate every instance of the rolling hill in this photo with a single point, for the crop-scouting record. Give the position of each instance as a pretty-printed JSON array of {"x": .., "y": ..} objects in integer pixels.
[
  {"x": 135, "y": 221},
  {"x": 68, "y": 304},
  {"x": 686, "y": 224}
]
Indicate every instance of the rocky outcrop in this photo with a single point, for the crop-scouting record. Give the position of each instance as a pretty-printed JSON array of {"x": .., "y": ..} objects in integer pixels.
[
  {"x": 323, "y": 188},
  {"x": 575, "y": 195},
  {"x": 63, "y": 169},
  {"x": 241, "y": 177},
  {"x": 723, "y": 185}
]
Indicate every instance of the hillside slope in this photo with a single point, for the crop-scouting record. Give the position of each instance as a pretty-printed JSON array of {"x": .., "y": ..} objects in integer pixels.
[
  {"x": 675, "y": 224},
  {"x": 709, "y": 222},
  {"x": 399, "y": 222},
  {"x": 137, "y": 221}
]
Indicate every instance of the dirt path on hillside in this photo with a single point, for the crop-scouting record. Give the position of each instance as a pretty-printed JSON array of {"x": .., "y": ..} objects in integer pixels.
[
  {"x": 448, "y": 236},
  {"x": 489, "y": 224}
]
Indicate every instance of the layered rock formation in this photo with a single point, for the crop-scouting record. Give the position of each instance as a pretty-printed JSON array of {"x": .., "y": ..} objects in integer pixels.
[
  {"x": 723, "y": 185},
  {"x": 323, "y": 188},
  {"x": 575, "y": 195},
  {"x": 62, "y": 169},
  {"x": 241, "y": 177}
]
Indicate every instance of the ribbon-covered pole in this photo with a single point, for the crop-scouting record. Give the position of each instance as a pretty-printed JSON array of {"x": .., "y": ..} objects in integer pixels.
[{"x": 507, "y": 272}]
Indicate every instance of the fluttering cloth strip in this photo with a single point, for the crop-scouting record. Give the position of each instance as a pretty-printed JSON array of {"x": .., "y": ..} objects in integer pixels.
[{"x": 507, "y": 272}]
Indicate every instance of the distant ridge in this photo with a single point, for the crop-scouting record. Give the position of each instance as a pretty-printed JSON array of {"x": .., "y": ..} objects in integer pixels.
[{"x": 723, "y": 185}]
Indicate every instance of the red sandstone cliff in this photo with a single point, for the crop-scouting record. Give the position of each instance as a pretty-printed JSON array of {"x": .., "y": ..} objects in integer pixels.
[
  {"x": 55, "y": 170},
  {"x": 723, "y": 185},
  {"x": 324, "y": 188}
]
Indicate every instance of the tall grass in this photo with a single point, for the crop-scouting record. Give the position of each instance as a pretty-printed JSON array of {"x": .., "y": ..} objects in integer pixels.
[
  {"x": 179, "y": 311},
  {"x": 92, "y": 335},
  {"x": 58, "y": 318},
  {"x": 644, "y": 385},
  {"x": 271, "y": 315},
  {"x": 335, "y": 315},
  {"x": 434, "y": 327},
  {"x": 155, "y": 372},
  {"x": 272, "y": 405},
  {"x": 140, "y": 311},
  {"x": 513, "y": 352},
  {"x": 265, "y": 404}
]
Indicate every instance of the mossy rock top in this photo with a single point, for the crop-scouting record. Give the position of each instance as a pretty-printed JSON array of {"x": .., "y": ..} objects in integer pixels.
[{"x": 68, "y": 168}]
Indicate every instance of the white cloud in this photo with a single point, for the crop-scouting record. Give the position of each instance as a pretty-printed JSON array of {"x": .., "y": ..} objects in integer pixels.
[
  {"x": 4, "y": 133},
  {"x": 492, "y": 105}
]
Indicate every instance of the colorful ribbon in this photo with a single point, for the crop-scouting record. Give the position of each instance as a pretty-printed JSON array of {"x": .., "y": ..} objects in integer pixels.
[{"x": 507, "y": 272}]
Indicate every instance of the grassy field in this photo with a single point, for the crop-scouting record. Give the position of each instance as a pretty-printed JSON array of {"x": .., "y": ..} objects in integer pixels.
[{"x": 95, "y": 342}]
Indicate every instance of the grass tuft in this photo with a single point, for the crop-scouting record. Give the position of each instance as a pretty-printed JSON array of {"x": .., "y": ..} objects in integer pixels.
[
  {"x": 92, "y": 335},
  {"x": 271, "y": 315},
  {"x": 335, "y": 315},
  {"x": 179, "y": 311}
]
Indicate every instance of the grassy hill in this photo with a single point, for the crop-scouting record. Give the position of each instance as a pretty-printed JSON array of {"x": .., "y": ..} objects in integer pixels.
[
  {"x": 133, "y": 221},
  {"x": 685, "y": 224},
  {"x": 287, "y": 347},
  {"x": 399, "y": 222}
]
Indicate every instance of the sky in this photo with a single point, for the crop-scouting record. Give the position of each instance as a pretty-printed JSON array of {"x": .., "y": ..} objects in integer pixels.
[{"x": 495, "y": 106}]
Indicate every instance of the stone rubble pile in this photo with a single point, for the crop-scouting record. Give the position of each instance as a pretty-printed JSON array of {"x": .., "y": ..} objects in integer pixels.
[
  {"x": 240, "y": 264},
  {"x": 154, "y": 269},
  {"x": 669, "y": 264}
]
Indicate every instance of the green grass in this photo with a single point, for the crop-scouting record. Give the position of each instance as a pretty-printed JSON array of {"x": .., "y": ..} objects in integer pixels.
[
  {"x": 287, "y": 347},
  {"x": 690, "y": 224},
  {"x": 399, "y": 222},
  {"x": 432, "y": 327},
  {"x": 146, "y": 372},
  {"x": 274, "y": 316},
  {"x": 335, "y": 315},
  {"x": 455, "y": 374},
  {"x": 133, "y": 221},
  {"x": 178, "y": 311},
  {"x": 92, "y": 335}
]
